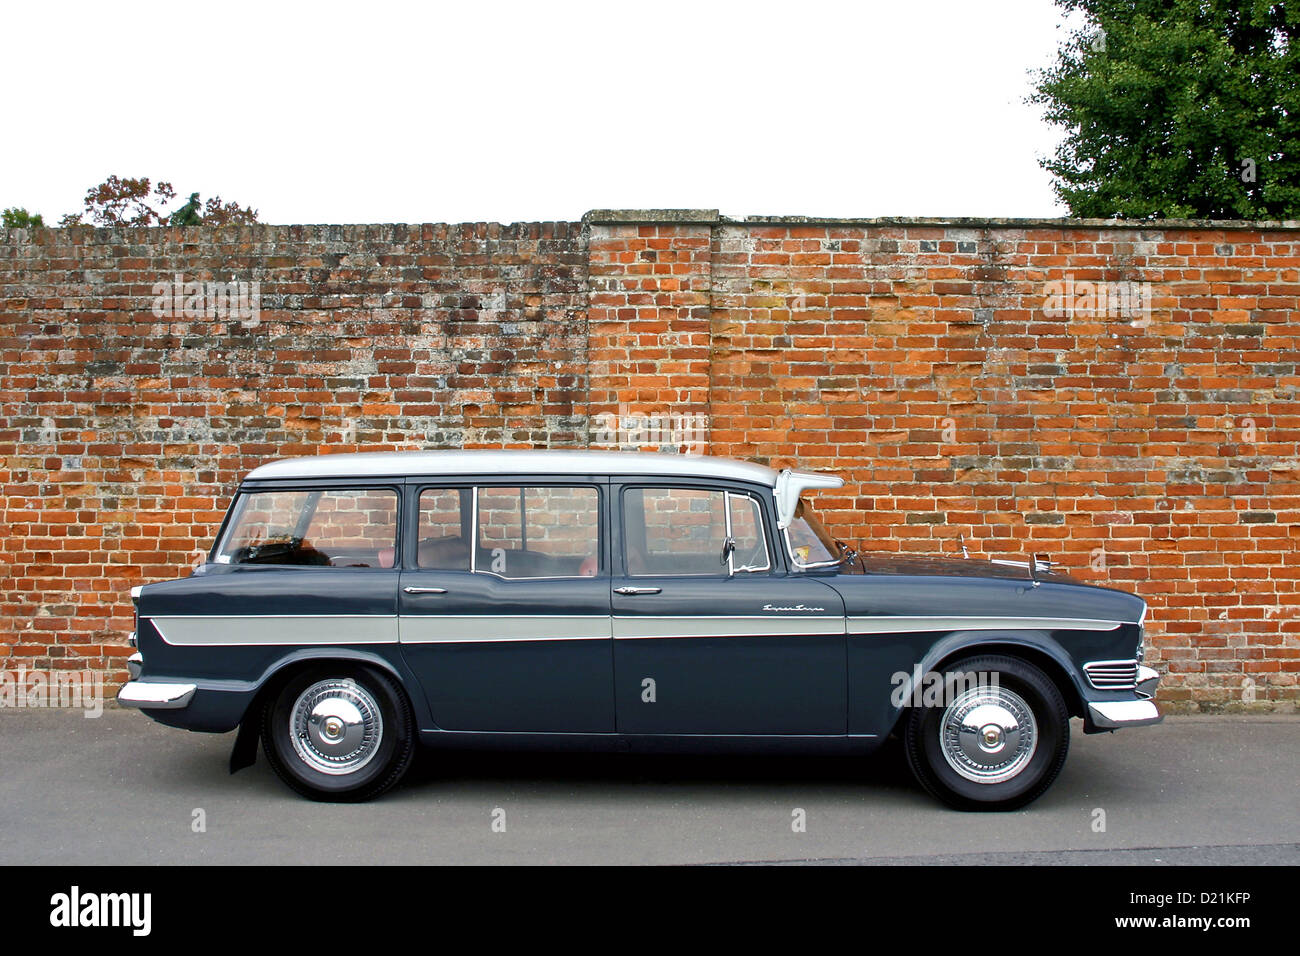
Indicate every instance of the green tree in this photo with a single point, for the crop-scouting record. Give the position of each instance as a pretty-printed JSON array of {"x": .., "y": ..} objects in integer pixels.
[
  {"x": 16, "y": 217},
  {"x": 1177, "y": 109},
  {"x": 188, "y": 215}
]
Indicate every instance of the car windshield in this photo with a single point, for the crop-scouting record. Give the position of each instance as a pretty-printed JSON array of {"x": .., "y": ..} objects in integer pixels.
[
  {"x": 333, "y": 527},
  {"x": 809, "y": 543}
]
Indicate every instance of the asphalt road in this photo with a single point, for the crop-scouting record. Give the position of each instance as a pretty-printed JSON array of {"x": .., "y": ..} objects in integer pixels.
[{"x": 122, "y": 789}]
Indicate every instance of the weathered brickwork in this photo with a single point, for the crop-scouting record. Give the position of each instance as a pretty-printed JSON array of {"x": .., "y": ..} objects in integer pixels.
[
  {"x": 123, "y": 434},
  {"x": 1124, "y": 399}
]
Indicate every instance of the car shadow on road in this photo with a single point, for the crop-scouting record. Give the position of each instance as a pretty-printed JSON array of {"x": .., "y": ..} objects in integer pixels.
[{"x": 886, "y": 768}]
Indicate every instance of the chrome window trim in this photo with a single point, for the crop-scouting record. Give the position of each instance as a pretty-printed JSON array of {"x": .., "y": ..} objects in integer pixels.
[
  {"x": 473, "y": 538},
  {"x": 762, "y": 532}
]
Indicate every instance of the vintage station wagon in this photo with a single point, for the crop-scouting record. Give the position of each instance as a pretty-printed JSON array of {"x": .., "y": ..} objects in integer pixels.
[{"x": 355, "y": 604}]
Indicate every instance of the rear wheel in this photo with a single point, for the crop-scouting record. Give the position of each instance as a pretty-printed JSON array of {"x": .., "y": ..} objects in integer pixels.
[
  {"x": 338, "y": 732},
  {"x": 996, "y": 741}
]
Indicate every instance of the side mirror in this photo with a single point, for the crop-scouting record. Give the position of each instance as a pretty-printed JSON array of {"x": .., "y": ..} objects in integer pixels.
[{"x": 728, "y": 549}]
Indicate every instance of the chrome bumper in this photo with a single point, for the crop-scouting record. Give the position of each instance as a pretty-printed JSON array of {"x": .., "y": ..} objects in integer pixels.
[
  {"x": 154, "y": 695},
  {"x": 1113, "y": 714}
]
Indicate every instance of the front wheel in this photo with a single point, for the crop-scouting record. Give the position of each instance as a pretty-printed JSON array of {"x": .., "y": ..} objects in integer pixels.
[
  {"x": 997, "y": 739},
  {"x": 339, "y": 733}
]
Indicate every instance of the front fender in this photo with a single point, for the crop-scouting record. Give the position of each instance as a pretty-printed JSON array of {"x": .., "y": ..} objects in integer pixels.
[{"x": 884, "y": 671}]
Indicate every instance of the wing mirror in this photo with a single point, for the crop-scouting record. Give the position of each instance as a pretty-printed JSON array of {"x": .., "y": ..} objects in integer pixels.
[{"x": 728, "y": 549}]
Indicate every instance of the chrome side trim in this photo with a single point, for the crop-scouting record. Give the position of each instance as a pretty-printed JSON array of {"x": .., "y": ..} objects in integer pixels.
[
  {"x": 499, "y": 628},
  {"x": 1113, "y": 714},
  {"x": 270, "y": 629},
  {"x": 894, "y": 625},
  {"x": 151, "y": 694},
  {"x": 649, "y": 628}
]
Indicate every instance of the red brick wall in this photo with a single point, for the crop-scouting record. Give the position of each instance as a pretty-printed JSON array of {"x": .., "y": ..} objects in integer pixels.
[
  {"x": 123, "y": 434},
  {"x": 1158, "y": 452}
]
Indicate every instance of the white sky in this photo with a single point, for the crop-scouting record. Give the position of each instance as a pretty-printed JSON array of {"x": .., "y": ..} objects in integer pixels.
[{"x": 424, "y": 112}]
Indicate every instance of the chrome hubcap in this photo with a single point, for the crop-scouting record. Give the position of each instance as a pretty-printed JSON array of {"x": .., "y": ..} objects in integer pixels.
[
  {"x": 336, "y": 726},
  {"x": 988, "y": 734}
]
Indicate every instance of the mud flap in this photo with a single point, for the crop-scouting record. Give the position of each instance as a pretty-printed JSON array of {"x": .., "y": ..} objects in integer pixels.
[{"x": 244, "y": 753}]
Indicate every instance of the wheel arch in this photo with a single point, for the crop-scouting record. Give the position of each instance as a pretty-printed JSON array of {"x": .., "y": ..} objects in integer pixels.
[
  {"x": 282, "y": 670},
  {"x": 1034, "y": 647}
]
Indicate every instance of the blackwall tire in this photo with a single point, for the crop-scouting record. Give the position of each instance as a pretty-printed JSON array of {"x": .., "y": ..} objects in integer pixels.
[
  {"x": 339, "y": 733},
  {"x": 995, "y": 748}
]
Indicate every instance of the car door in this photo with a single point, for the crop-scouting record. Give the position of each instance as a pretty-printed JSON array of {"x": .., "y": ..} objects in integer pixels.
[
  {"x": 504, "y": 605},
  {"x": 709, "y": 646}
]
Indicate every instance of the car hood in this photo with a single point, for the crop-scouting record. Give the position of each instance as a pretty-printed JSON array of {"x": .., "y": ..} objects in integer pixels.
[{"x": 902, "y": 585}]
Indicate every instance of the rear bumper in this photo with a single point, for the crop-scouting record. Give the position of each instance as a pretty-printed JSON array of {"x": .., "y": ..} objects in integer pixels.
[
  {"x": 155, "y": 695},
  {"x": 1114, "y": 714}
]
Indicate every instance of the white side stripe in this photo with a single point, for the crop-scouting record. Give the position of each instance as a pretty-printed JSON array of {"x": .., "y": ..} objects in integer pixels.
[
  {"x": 647, "y": 628},
  {"x": 294, "y": 629},
  {"x": 899, "y": 625},
  {"x": 324, "y": 629},
  {"x": 493, "y": 628}
]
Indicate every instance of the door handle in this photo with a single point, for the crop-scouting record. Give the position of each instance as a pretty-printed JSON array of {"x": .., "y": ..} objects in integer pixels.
[
  {"x": 413, "y": 590},
  {"x": 627, "y": 589}
]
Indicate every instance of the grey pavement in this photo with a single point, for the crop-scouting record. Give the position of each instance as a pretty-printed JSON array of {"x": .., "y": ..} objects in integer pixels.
[{"x": 122, "y": 789}]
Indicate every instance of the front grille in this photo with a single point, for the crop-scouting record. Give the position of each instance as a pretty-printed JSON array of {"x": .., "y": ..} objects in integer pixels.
[{"x": 1112, "y": 675}]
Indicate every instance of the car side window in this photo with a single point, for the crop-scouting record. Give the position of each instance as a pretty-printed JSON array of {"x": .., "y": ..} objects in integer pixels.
[
  {"x": 684, "y": 531},
  {"x": 345, "y": 527},
  {"x": 747, "y": 532},
  {"x": 443, "y": 538},
  {"x": 542, "y": 531}
]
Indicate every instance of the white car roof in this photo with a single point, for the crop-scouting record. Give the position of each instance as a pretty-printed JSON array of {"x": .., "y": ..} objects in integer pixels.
[{"x": 511, "y": 461}]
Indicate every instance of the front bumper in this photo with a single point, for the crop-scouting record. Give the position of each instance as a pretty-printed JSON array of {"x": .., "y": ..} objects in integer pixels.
[
  {"x": 1114, "y": 714},
  {"x": 155, "y": 695}
]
